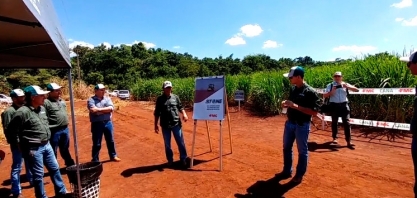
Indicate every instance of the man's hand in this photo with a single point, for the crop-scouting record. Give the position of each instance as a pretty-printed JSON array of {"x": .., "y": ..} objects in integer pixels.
[
  {"x": 185, "y": 117},
  {"x": 289, "y": 103},
  {"x": 94, "y": 110},
  {"x": 156, "y": 129},
  {"x": 344, "y": 85},
  {"x": 283, "y": 105}
]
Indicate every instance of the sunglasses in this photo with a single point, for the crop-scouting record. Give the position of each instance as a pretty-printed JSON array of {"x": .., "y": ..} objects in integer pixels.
[{"x": 337, "y": 76}]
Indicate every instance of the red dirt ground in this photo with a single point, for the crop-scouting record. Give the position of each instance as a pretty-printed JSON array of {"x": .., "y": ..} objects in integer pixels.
[{"x": 375, "y": 169}]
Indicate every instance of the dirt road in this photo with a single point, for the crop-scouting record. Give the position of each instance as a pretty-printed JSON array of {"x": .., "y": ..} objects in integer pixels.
[{"x": 374, "y": 169}]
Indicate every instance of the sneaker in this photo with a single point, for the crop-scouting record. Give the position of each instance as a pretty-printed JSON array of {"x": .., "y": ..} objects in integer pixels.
[
  {"x": 18, "y": 196},
  {"x": 334, "y": 141},
  {"x": 116, "y": 159}
]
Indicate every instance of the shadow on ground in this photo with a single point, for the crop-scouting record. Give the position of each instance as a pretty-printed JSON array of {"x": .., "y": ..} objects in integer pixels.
[
  {"x": 270, "y": 188},
  {"x": 23, "y": 178},
  {"x": 160, "y": 167},
  {"x": 4, "y": 192},
  {"x": 325, "y": 147}
]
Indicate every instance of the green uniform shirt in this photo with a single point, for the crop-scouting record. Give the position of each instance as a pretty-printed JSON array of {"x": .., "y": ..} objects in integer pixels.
[
  {"x": 304, "y": 96},
  {"x": 56, "y": 112},
  {"x": 167, "y": 109},
  {"x": 6, "y": 117},
  {"x": 31, "y": 126}
]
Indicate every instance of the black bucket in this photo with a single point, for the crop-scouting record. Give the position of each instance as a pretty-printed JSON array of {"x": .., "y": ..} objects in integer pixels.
[{"x": 89, "y": 172}]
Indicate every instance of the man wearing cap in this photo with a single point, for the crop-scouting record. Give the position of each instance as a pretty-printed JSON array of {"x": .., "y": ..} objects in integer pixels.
[
  {"x": 32, "y": 135},
  {"x": 167, "y": 109},
  {"x": 412, "y": 66},
  {"x": 56, "y": 110},
  {"x": 303, "y": 103},
  {"x": 101, "y": 108},
  {"x": 18, "y": 97},
  {"x": 338, "y": 91}
]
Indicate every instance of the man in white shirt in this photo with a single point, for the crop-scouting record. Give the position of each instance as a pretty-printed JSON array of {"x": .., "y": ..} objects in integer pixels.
[{"x": 338, "y": 92}]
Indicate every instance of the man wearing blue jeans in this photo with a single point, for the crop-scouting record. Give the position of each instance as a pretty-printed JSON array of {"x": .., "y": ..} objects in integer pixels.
[
  {"x": 167, "y": 109},
  {"x": 32, "y": 135},
  {"x": 18, "y": 97},
  {"x": 101, "y": 108},
  {"x": 303, "y": 103},
  {"x": 56, "y": 110},
  {"x": 412, "y": 66}
]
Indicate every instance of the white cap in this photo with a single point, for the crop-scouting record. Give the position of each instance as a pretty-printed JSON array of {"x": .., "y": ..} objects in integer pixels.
[
  {"x": 53, "y": 86},
  {"x": 35, "y": 90},
  {"x": 412, "y": 58},
  {"x": 338, "y": 73},
  {"x": 166, "y": 84},
  {"x": 99, "y": 86},
  {"x": 17, "y": 93}
]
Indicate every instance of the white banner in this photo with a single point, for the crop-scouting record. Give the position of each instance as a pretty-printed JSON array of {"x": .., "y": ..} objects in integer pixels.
[
  {"x": 373, "y": 123},
  {"x": 209, "y": 98},
  {"x": 380, "y": 91}
]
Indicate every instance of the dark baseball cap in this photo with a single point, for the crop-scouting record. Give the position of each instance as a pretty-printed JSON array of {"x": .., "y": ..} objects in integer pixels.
[{"x": 295, "y": 71}]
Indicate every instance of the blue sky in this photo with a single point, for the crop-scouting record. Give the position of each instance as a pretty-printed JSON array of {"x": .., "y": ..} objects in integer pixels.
[{"x": 323, "y": 30}]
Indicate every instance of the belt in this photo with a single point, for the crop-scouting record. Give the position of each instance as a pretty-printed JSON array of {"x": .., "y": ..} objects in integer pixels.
[
  {"x": 338, "y": 103},
  {"x": 103, "y": 121},
  {"x": 58, "y": 128},
  {"x": 299, "y": 122}
]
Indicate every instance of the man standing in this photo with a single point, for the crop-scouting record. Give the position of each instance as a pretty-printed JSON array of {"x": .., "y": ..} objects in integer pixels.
[
  {"x": 32, "y": 135},
  {"x": 338, "y": 93},
  {"x": 412, "y": 66},
  {"x": 101, "y": 108},
  {"x": 302, "y": 104},
  {"x": 18, "y": 97},
  {"x": 167, "y": 109},
  {"x": 56, "y": 110}
]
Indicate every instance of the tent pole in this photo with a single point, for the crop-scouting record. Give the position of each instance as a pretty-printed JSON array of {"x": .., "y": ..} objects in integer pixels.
[{"x": 74, "y": 131}]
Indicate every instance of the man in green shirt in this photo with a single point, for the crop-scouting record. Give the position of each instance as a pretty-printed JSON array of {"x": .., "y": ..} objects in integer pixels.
[
  {"x": 167, "y": 109},
  {"x": 56, "y": 110},
  {"x": 32, "y": 134},
  {"x": 18, "y": 97},
  {"x": 303, "y": 103}
]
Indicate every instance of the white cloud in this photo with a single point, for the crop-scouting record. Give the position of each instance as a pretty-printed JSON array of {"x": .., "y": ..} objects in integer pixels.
[
  {"x": 73, "y": 44},
  {"x": 271, "y": 44},
  {"x": 177, "y": 47},
  {"x": 236, "y": 40},
  {"x": 399, "y": 19},
  {"x": 403, "y": 4},
  {"x": 146, "y": 44},
  {"x": 250, "y": 30},
  {"x": 355, "y": 49},
  {"x": 410, "y": 22}
]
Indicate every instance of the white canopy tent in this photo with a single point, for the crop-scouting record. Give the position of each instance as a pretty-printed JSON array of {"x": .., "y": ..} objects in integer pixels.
[{"x": 30, "y": 37}]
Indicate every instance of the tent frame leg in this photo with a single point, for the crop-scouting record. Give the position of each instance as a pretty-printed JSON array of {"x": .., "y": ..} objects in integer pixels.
[{"x": 74, "y": 131}]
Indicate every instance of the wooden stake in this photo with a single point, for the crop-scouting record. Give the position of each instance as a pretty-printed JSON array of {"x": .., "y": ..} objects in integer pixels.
[
  {"x": 228, "y": 120},
  {"x": 208, "y": 135}
]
